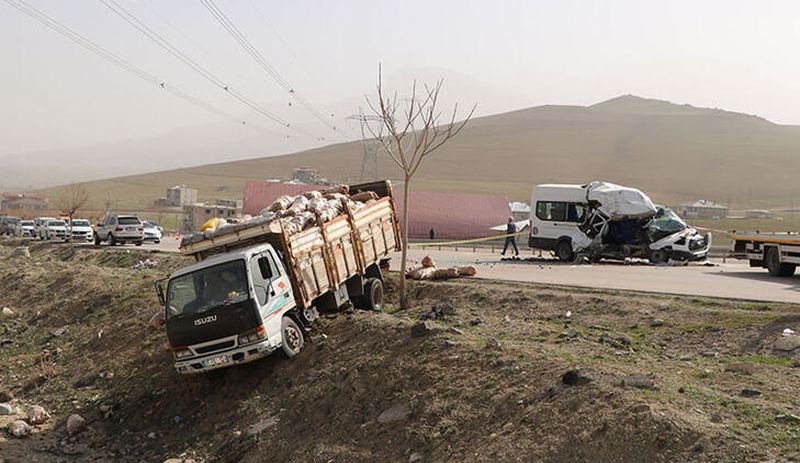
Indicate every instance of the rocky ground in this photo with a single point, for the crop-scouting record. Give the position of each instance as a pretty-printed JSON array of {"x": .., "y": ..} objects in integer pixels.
[{"x": 476, "y": 371}]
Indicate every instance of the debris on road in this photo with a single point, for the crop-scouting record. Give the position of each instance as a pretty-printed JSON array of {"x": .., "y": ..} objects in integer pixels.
[{"x": 429, "y": 271}]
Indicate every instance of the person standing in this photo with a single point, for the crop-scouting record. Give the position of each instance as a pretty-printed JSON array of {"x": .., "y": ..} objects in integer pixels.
[{"x": 511, "y": 237}]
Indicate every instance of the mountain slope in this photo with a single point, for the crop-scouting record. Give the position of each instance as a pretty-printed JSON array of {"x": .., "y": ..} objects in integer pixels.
[{"x": 675, "y": 152}]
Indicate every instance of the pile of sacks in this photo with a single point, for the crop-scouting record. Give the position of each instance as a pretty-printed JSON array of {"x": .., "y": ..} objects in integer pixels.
[
  {"x": 300, "y": 212},
  {"x": 429, "y": 271}
]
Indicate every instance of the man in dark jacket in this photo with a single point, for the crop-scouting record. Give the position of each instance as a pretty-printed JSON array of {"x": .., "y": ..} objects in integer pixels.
[{"x": 511, "y": 238}]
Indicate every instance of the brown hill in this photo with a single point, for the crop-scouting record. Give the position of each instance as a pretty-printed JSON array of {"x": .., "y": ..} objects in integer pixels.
[{"x": 674, "y": 152}]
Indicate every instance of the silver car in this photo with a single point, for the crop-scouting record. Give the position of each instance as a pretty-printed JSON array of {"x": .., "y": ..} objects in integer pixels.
[{"x": 119, "y": 229}]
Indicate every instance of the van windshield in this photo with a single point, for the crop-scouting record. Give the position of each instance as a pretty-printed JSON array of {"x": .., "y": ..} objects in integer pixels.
[
  {"x": 208, "y": 288},
  {"x": 664, "y": 224}
]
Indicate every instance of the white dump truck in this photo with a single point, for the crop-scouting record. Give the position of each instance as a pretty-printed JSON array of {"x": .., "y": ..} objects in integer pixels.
[
  {"x": 779, "y": 253},
  {"x": 257, "y": 287}
]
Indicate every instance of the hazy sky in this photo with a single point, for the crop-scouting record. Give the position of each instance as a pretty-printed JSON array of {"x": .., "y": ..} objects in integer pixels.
[{"x": 736, "y": 55}]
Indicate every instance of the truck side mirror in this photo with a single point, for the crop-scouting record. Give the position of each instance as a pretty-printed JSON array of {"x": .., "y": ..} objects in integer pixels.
[{"x": 160, "y": 291}]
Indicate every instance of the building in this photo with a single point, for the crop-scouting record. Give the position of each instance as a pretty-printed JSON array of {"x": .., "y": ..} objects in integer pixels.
[
  {"x": 757, "y": 214},
  {"x": 178, "y": 196},
  {"x": 258, "y": 195},
  {"x": 22, "y": 204},
  {"x": 452, "y": 216},
  {"x": 520, "y": 211},
  {"x": 702, "y": 209},
  {"x": 195, "y": 215},
  {"x": 306, "y": 175}
]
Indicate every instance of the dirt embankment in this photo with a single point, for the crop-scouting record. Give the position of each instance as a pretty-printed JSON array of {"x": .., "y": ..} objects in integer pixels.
[{"x": 482, "y": 381}]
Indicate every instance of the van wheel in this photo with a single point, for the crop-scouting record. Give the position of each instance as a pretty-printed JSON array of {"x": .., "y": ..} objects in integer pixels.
[
  {"x": 659, "y": 256},
  {"x": 373, "y": 295},
  {"x": 292, "y": 337},
  {"x": 774, "y": 265},
  {"x": 564, "y": 251}
]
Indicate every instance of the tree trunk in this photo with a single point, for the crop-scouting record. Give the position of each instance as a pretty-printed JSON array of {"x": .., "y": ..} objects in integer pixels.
[{"x": 404, "y": 304}]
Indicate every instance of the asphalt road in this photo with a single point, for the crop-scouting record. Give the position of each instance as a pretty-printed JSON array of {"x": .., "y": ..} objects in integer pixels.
[{"x": 732, "y": 279}]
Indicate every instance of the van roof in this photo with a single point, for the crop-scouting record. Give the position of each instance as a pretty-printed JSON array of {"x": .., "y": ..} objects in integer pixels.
[{"x": 558, "y": 192}]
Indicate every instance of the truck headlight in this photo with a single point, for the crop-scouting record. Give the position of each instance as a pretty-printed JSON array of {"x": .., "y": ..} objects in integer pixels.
[
  {"x": 181, "y": 352},
  {"x": 253, "y": 335}
]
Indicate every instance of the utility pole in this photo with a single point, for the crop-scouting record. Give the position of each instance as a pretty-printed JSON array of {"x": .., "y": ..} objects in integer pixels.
[{"x": 370, "y": 150}]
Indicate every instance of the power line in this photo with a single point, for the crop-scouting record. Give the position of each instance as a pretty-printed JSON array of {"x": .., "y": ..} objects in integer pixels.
[
  {"x": 231, "y": 28},
  {"x": 93, "y": 47},
  {"x": 154, "y": 36}
]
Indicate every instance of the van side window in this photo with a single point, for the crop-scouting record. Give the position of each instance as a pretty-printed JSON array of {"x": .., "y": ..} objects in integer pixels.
[
  {"x": 576, "y": 213},
  {"x": 551, "y": 210}
]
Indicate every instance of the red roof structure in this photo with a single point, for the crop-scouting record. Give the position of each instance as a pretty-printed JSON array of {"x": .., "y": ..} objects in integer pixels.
[
  {"x": 258, "y": 195},
  {"x": 452, "y": 216}
]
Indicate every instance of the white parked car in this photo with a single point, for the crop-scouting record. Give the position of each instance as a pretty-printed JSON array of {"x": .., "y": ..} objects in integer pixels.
[
  {"x": 39, "y": 226},
  {"x": 80, "y": 230},
  {"x": 25, "y": 229},
  {"x": 152, "y": 232},
  {"x": 56, "y": 230},
  {"x": 119, "y": 229}
]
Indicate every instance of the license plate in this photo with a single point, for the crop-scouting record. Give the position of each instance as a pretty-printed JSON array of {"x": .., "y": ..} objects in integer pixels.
[
  {"x": 131, "y": 229},
  {"x": 214, "y": 361}
]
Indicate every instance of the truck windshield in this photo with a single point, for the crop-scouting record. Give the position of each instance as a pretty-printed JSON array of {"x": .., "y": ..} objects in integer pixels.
[
  {"x": 208, "y": 288},
  {"x": 664, "y": 224}
]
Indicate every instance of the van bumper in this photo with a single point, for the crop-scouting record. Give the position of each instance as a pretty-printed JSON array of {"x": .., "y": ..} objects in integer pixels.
[{"x": 225, "y": 359}]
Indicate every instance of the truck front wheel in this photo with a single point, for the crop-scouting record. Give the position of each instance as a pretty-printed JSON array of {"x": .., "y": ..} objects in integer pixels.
[
  {"x": 292, "y": 337},
  {"x": 373, "y": 295},
  {"x": 774, "y": 265}
]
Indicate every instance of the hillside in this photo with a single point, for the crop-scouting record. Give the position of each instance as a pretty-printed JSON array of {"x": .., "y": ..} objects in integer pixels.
[
  {"x": 494, "y": 378},
  {"x": 674, "y": 152}
]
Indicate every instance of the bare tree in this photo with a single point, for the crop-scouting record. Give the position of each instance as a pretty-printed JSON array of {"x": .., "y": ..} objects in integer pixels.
[
  {"x": 414, "y": 130},
  {"x": 72, "y": 199}
]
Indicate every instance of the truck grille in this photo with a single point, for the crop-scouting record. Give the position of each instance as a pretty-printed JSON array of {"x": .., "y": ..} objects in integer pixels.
[{"x": 213, "y": 347}]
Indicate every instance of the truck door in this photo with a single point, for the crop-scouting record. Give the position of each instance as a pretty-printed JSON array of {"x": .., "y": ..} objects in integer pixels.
[{"x": 271, "y": 286}]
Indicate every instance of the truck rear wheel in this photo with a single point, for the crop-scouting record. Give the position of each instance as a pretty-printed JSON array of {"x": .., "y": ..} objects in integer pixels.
[
  {"x": 292, "y": 337},
  {"x": 774, "y": 265},
  {"x": 373, "y": 295}
]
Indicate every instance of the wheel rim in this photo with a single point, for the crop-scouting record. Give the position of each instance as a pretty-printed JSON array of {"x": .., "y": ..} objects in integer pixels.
[
  {"x": 292, "y": 338},
  {"x": 377, "y": 297}
]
